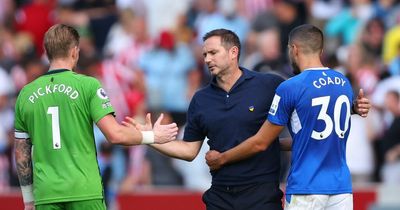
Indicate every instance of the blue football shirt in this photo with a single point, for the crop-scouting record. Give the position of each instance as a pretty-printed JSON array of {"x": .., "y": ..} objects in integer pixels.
[{"x": 315, "y": 105}]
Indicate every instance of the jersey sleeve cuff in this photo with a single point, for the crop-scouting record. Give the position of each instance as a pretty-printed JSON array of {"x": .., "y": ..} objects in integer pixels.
[
  {"x": 98, "y": 118},
  {"x": 21, "y": 135},
  {"x": 276, "y": 122}
]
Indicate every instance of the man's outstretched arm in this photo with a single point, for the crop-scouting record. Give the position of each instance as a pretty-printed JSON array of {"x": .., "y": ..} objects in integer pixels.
[
  {"x": 129, "y": 135},
  {"x": 251, "y": 146},
  {"x": 176, "y": 149},
  {"x": 179, "y": 149}
]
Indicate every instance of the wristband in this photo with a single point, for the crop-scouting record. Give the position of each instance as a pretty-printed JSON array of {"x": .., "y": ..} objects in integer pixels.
[
  {"x": 147, "y": 137},
  {"x": 27, "y": 193}
]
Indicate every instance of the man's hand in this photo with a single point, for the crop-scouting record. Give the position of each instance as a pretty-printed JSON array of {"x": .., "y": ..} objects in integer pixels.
[
  {"x": 29, "y": 206},
  {"x": 361, "y": 104},
  {"x": 132, "y": 122},
  {"x": 214, "y": 160},
  {"x": 162, "y": 133},
  {"x": 393, "y": 154}
]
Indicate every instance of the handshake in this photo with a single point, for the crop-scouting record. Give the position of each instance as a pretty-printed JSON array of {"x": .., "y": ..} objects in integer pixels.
[{"x": 157, "y": 134}]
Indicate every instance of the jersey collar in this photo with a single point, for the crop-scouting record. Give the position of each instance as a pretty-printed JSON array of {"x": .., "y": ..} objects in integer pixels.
[
  {"x": 245, "y": 76},
  {"x": 55, "y": 71},
  {"x": 317, "y": 68}
]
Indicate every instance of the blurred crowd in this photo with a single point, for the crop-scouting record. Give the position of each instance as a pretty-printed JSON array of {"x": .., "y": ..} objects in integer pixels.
[{"x": 148, "y": 56}]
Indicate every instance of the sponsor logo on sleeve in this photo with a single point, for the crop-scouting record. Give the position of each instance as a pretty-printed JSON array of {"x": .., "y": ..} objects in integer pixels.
[
  {"x": 102, "y": 94},
  {"x": 105, "y": 105},
  {"x": 274, "y": 105}
]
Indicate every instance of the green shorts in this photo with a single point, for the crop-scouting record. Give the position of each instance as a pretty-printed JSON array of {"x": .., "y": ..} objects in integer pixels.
[{"x": 97, "y": 204}]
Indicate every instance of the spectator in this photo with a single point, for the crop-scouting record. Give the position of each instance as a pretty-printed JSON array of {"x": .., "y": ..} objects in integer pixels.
[
  {"x": 391, "y": 42},
  {"x": 35, "y": 18},
  {"x": 391, "y": 141},
  {"x": 268, "y": 57},
  {"x": 170, "y": 77},
  {"x": 7, "y": 118},
  {"x": 347, "y": 23},
  {"x": 394, "y": 66},
  {"x": 221, "y": 14}
]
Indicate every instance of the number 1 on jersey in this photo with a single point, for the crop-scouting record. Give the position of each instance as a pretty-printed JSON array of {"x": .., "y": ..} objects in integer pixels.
[{"x": 55, "y": 126}]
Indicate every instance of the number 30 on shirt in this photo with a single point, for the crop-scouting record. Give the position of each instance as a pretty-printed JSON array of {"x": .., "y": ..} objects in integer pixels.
[{"x": 331, "y": 124}]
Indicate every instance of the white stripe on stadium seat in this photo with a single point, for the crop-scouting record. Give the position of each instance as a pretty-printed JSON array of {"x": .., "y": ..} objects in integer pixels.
[{"x": 21, "y": 135}]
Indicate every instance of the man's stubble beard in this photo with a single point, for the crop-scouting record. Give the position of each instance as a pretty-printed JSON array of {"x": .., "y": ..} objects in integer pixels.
[{"x": 295, "y": 67}]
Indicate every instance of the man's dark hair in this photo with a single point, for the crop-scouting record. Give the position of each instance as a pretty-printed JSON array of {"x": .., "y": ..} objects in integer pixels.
[
  {"x": 228, "y": 38},
  {"x": 59, "y": 39},
  {"x": 307, "y": 37}
]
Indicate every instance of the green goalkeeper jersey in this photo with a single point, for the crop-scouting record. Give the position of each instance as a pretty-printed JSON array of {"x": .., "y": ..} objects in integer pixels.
[{"x": 57, "y": 112}]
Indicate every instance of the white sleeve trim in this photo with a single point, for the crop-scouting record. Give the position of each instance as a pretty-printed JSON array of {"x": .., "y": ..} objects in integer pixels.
[
  {"x": 21, "y": 135},
  {"x": 295, "y": 122}
]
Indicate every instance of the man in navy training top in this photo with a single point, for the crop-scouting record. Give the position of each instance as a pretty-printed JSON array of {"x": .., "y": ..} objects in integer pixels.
[{"x": 316, "y": 106}]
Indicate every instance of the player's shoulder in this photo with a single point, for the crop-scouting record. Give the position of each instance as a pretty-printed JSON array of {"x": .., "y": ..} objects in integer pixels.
[
  {"x": 202, "y": 91},
  {"x": 269, "y": 76},
  {"x": 86, "y": 82},
  {"x": 265, "y": 78},
  {"x": 30, "y": 86},
  {"x": 335, "y": 72},
  {"x": 338, "y": 74},
  {"x": 294, "y": 81},
  {"x": 84, "y": 78}
]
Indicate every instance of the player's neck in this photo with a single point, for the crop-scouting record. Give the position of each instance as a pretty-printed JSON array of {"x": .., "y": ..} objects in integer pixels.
[
  {"x": 310, "y": 62},
  {"x": 61, "y": 64}
]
